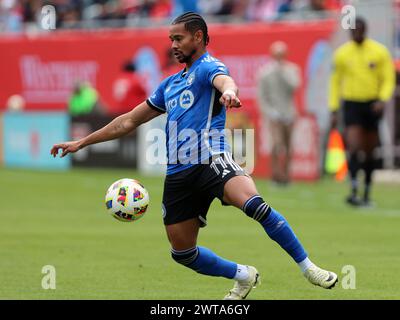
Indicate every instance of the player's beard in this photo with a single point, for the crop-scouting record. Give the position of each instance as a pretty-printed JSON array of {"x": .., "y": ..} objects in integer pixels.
[{"x": 182, "y": 58}]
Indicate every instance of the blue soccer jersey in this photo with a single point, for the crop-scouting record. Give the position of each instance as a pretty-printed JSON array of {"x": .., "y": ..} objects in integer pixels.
[{"x": 195, "y": 128}]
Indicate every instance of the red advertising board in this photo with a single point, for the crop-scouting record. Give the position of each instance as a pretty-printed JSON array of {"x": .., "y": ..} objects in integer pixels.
[{"x": 44, "y": 68}]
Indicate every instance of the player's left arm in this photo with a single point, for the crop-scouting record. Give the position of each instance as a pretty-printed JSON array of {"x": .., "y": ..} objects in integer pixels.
[{"x": 227, "y": 86}]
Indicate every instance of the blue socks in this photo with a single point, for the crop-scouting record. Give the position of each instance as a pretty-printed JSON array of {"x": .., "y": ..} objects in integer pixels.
[
  {"x": 204, "y": 261},
  {"x": 276, "y": 226},
  {"x": 279, "y": 230}
]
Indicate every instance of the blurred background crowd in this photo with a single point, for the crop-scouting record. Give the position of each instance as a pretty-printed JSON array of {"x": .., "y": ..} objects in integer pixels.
[{"x": 19, "y": 15}]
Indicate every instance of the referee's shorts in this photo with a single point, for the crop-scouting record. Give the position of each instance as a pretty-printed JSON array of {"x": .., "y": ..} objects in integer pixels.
[
  {"x": 189, "y": 193},
  {"x": 361, "y": 114}
]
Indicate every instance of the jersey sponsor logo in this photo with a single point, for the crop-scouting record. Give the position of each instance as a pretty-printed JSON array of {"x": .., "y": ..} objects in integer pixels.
[
  {"x": 186, "y": 99},
  {"x": 171, "y": 104},
  {"x": 190, "y": 79}
]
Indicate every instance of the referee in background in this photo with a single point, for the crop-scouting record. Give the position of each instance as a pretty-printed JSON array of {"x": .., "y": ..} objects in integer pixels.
[{"x": 362, "y": 81}]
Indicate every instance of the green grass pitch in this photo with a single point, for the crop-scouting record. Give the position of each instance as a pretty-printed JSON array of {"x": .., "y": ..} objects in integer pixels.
[{"x": 59, "y": 219}]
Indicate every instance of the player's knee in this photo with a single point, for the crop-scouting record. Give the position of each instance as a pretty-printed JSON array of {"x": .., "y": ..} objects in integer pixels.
[
  {"x": 185, "y": 257},
  {"x": 256, "y": 208}
]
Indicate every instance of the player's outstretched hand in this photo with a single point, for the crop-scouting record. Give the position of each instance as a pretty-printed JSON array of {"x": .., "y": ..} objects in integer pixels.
[
  {"x": 67, "y": 147},
  {"x": 230, "y": 100}
]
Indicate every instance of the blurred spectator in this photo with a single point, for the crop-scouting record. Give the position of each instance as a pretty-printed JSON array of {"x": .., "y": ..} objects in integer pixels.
[
  {"x": 209, "y": 7},
  {"x": 181, "y": 6},
  {"x": 316, "y": 5},
  {"x": 285, "y": 7},
  {"x": 69, "y": 13},
  {"x": 216, "y": 7},
  {"x": 29, "y": 9},
  {"x": 110, "y": 10},
  {"x": 261, "y": 10},
  {"x": 11, "y": 16},
  {"x": 277, "y": 83},
  {"x": 307, "y": 9},
  {"x": 15, "y": 103},
  {"x": 128, "y": 89},
  {"x": 314, "y": 9},
  {"x": 84, "y": 100}
]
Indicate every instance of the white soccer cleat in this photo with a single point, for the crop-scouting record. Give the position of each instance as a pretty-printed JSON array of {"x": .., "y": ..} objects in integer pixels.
[
  {"x": 243, "y": 287},
  {"x": 320, "y": 277}
]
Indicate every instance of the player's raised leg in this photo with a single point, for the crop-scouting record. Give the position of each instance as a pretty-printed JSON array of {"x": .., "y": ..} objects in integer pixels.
[
  {"x": 241, "y": 192},
  {"x": 183, "y": 239}
]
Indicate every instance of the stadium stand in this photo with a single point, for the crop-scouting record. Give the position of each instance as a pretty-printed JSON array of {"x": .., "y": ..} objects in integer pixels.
[{"x": 17, "y": 16}]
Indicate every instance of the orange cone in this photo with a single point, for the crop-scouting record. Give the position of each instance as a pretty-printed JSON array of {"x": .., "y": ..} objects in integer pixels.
[{"x": 335, "y": 162}]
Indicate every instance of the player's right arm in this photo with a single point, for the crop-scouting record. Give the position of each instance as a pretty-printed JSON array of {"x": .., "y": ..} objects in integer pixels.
[{"x": 117, "y": 128}]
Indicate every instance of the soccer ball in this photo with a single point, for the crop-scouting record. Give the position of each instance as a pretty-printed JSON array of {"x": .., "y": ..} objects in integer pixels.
[{"x": 127, "y": 200}]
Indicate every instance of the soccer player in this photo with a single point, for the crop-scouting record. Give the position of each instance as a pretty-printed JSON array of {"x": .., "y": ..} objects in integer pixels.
[
  {"x": 194, "y": 98},
  {"x": 363, "y": 77}
]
